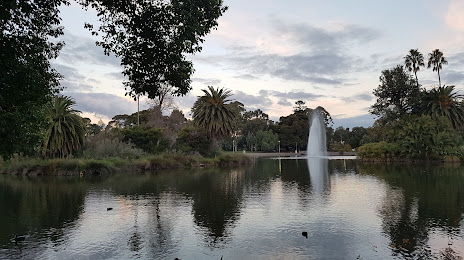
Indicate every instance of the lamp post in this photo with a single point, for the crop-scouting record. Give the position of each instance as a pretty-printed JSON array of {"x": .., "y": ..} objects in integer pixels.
[{"x": 279, "y": 146}]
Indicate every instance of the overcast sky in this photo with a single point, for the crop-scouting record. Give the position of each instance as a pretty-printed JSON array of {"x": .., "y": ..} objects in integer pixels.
[{"x": 272, "y": 53}]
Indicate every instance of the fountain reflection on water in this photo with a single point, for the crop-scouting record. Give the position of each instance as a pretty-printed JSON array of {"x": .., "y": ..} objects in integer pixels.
[{"x": 316, "y": 152}]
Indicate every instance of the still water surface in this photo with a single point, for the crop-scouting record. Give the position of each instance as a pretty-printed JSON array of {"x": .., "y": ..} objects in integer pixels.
[{"x": 350, "y": 211}]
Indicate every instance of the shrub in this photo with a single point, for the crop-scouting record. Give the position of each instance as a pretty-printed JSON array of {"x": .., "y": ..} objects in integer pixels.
[
  {"x": 149, "y": 139},
  {"x": 381, "y": 150},
  {"x": 192, "y": 140},
  {"x": 109, "y": 144}
]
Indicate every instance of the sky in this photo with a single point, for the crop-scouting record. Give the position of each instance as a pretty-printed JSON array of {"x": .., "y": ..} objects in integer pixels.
[{"x": 272, "y": 53}]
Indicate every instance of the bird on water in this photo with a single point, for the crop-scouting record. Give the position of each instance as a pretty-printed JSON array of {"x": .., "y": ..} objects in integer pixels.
[
  {"x": 19, "y": 238},
  {"x": 305, "y": 234}
]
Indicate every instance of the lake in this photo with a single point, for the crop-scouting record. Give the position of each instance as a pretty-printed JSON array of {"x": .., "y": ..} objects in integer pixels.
[{"x": 349, "y": 210}]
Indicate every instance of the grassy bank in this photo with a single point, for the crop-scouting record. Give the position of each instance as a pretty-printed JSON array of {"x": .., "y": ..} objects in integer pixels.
[{"x": 28, "y": 166}]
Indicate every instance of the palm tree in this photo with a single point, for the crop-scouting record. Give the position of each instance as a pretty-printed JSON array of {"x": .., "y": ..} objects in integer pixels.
[
  {"x": 214, "y": 112},
  {"x": 413, "y": 61},
  {"x": 437, "y": 60},
  {"x": 444, "y": 101},
  {"x": 66, "y": 129}
]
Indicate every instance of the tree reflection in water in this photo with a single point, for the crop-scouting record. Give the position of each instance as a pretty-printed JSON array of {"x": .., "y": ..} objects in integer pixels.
[
  {"x": 419, "y": 200},
  {"x": 216, "y": 202},
  {"x": 259, "y": 211},
  {"x": 39, "y": 207}
]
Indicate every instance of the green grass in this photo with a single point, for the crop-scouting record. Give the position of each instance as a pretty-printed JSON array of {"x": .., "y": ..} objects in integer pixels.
[{"x": 33, "y": 166}]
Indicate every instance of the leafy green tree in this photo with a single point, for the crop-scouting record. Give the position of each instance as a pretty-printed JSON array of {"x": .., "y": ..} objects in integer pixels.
[
  {"x": 254, "y": 125},
  {"x": 149, "y": 139},
  {"x": 27, "y": 81},
  {"x": 293, "y": 130},
  {"x": 413, "y": 61},
  {"x": 444, "y": 101},
  {"x": 252, "y": 142},
  {"x": 436, "y": 60},
  {"x": 398, "y": 94},
  {"x": 214, "y": 112},
  {"x": 356, "y": 136},
  {"x": 66, "y": 129},
  {"x": 152, "y": 39},
  {"x": 420, "y": 136},
  {"x": 299, "y": 106},
  {"x": 193, "y": 139},
  {"x": 249, "y": 122},
  {"x": 92, "y": 129},
  {"x": 342, "y": 134},
  {"x": 255, "y": 114},
  {"x": 266, "y": 140}
]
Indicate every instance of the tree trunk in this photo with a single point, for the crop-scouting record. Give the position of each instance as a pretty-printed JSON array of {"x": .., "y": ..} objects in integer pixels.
[{"x": 439, "y": 80}]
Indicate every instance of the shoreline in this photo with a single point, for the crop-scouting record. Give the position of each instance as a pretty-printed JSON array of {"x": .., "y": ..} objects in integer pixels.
[
  {"x": 81, "y": 167},
  {"x": 290, "y": 154}
]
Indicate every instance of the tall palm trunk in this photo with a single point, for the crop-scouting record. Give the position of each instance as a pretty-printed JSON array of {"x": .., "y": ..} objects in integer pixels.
[{"x": 439, "y": 80}]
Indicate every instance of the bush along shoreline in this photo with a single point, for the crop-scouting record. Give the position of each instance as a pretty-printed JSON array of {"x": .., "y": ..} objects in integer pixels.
[
  {"x": 384, "y": 152},
  {"x": 76, "y": 167}
]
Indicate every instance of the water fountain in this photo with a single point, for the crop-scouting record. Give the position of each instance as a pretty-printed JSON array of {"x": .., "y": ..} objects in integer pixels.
[
  {"x": 317, "y": 146},
  {"x": 317, "y": 152}
]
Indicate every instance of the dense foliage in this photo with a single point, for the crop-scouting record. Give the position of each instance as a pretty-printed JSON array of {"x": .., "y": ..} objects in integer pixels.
[
  {"x": 415, "y": 123},
  {"x": 214, "y": 112},
  {"x": 66, "y": 129},
  {"x": 397, "y": 94},
  {"x": 193, "y": 139},
  {"x": 27, "y": 81},
  {"x": 152, "y": 38},
  {"x": 150, "y": 140}
]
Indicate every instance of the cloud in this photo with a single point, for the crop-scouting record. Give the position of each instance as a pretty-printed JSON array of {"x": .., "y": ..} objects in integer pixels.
[
  {"x": 72, "y": 79},
  {"x": 454, "y": 17},
  {"x": 209, "y": 82},
  {"x": 325, "y": 40},
  {"x": 246, "y": 76},
  {"x": 264, "y": 98},
  {"x": 451, "y": 77},
  {"x": 185, "y": 103},
  {"x": 104, "y": 104},
  {"x": 359, "y": 97},
  {"x": 284, "y": 102},
  {"x": 116, "y": 76},
  {"x": 366, "y": 120},
  {"x": 80, "y": 49},
  {"x": 297, "y": 52},
  {"x": 456, "y": 59},
  {"x": 315, "y": 68},
  {"x": 296, "y": 95},
  {"x": 251, "y": 102}
]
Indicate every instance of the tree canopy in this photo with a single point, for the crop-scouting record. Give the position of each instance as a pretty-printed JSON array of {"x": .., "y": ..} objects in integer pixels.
[
  {"x": 152, "y": 38},
  {"x": 27, "y": 81},
  {"x": 413, "y": 61},
  {"x": 214, "y": 112},
  {"x": 66, "y": 129},
  {"x": 397, "y": 94},
  {"x": 436, "y": 62}
]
